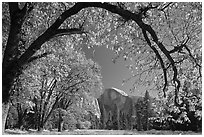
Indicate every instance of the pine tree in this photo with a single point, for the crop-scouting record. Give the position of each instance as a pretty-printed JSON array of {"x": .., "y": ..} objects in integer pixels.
[{"x": 146, "y": 111}]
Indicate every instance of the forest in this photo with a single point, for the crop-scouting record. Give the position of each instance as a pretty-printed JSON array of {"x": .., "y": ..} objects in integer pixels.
[{"x": 49, "y": 84}]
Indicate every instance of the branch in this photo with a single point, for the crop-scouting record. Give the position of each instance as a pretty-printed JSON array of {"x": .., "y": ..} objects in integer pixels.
[
  {"x": 166, "y": 53},
  {"x": 195, "y": 61},
  {"x": 162, "y": 9},
  {"x": 75, "y": 84},
  {"x": 46, "y": 100},
  {"x": 143, "y": 10},
  {"x": 51, "y": 109},
  {"x": 137, "y": 18},
  {"x": 179, "y": 48},
  {"x": 65, "y": 102},
  {"x": 38, "y": 56},
  {"x": 28, "y": 7},
  {"x": 61, "y": 32},
  {"x": 51, "y": 86},
  {"x": 128, "y": 15},
  {"x": 160, "y": 59},
  {"x": 49, "y": 33}
]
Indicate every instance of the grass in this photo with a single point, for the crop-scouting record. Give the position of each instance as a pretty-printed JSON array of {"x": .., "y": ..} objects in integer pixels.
[{"x": 101, "y": 132}]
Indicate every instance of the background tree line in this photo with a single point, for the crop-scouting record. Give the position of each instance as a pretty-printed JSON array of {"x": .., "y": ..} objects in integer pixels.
[{"x": 50, "y": 85}]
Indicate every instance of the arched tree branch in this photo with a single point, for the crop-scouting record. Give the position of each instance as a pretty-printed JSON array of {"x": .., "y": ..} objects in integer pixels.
[
  {"x": 160, "y": 59},
  {"x": 114, "y": 9},
  {"x": 38, "y": 56},
  {"x": 61, "y": 32},
  {"x": 126, "y": 14}
]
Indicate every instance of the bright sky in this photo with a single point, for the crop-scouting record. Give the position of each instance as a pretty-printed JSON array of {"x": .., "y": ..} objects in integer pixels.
[{"x": 113, "y": 74}]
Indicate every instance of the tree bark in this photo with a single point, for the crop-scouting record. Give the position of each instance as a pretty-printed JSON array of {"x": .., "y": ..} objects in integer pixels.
[
  {"x": 7, "y": 81},
  {"x": 40, "y": 128},
  {"x": 9, "y": 64},
  {"x": 60, "y": 122},
  {"x": 60, "y": 126},
  {"x": 5, "y": 109}
]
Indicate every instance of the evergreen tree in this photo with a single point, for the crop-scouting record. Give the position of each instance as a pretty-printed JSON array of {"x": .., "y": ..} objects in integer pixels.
[{"x": 146, "y": 110}]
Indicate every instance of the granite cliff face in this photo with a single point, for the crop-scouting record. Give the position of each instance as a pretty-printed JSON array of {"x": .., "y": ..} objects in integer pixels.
[{"x": 116, "y": 103}]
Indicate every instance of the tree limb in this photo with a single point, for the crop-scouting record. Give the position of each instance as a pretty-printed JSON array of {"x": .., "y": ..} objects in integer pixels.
[
  {"x": 61, "y": 32},
  {"x": 190, "y": 54},
  {"x": 167, "y": 5},
  {"x": 36, "y": 45},
  {"x": 50, "y": 111},
  {"x": 160, "y": 59},
  {"x": 47, "y": 98},
  {"x": 179, "y": 48},
  {"x": 39, "y": 56},
  {"x": 166, "y": 53},
  {"x": 28, "y": 7},
  {"x": 75, "y": 84},
  {"x": 49, "y": 33}
]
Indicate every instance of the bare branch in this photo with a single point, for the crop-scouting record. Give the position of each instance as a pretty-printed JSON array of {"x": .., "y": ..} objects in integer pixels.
[
  {"x": 190, "y": 54},
  {"x": 179, "y": 48},
  {"x": 28, "y": 7}
]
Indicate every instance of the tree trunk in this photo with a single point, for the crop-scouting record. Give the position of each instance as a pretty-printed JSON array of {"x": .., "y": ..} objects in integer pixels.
[
  {"x": 40, "y": 124},
  {"x": 60, "y": 122},
  {"x": 7, "y": 80},
  {"x": 20, "y": 122},
  {"x": 40, "y": 128},
  {"x": 5, "y": 105},
  {"x": 60, "y": 126},
  {"x": 118, "y": 117},
  {"x": 5, "y": 109}
]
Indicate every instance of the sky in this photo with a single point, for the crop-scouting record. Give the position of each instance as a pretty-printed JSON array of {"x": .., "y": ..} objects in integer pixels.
[{"x": 113, "y": 73}]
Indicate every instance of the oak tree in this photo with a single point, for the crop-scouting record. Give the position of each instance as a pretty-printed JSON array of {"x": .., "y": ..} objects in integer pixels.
[{"x": 159, "y": 37}]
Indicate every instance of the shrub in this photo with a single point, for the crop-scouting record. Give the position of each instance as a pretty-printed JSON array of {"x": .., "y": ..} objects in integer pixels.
[{"x": 83, "y": 125}]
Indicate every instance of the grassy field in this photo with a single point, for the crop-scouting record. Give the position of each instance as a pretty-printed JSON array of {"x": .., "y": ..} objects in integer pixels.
[{"x": 101, "y": 132}]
